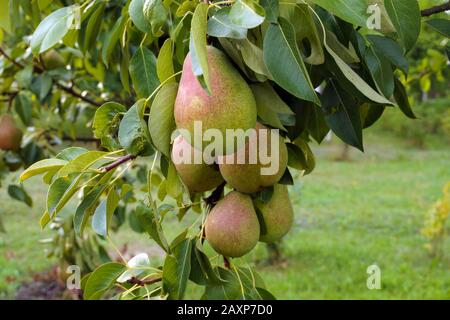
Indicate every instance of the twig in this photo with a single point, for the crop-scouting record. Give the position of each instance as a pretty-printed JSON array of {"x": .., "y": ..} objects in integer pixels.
[
  {"x": 118, "y": 162},
  {"x": 214, "y": 197},
  {"x": 437, "y": 9},
  {"x": 80, "y": 139},
  {"x": 226, "y": 263},
  {"x": 39, "y": 69},
  {"x": 72, "y": 92},
  {"x": 145, "y": 282},
  {"x": 11, "y": 59}
]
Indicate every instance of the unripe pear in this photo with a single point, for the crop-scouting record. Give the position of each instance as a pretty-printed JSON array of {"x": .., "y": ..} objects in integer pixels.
[
  {"x": 248, "y": 177},
  {"x": 277, "y": 213},
  {"x": 10, "y": 134},
  {"x": 230, "y": 105},
  {"x": 197, "y": 177},
  {"x": 53, "y": 60},
  {"x": 232, "y": 226}
]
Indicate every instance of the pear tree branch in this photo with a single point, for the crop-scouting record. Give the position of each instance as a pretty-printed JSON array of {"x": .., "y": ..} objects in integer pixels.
[
  {"x": 39, "y": 69},
  {"x": 118, "y": 162},
  {"x": 437, "y": 9}
]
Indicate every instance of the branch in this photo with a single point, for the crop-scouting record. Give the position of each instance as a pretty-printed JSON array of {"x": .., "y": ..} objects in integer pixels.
[
  {"x": 72, "y": 92},
  {"x": 11, "y": 59},
  {"x": 39, "y": 69},
  {"x": 118, "y": 162},
  {"x": 438, "y": 9},
  {"x": 80, "y": 139},
  {"x": 144, "y": 282}
]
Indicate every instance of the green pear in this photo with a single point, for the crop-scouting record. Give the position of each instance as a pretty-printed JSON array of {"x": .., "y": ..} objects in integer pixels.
[
  {"x": 232, "y": 226},
  {"x": 196, "y": 177},
  {"x": 10, "y": 134},
  {"x": 277, "y": 214},
  {"x": 248, "y": 177},
  {"x": 53, "y": 60},
  {"x": 230, "y": 104}
]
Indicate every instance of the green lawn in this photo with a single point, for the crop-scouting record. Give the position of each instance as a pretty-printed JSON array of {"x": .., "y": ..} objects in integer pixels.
[{"x": 349, "y": 215}]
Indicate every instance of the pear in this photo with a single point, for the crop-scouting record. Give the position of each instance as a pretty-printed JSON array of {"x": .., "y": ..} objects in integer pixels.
[
  {"x": 277, "y": 214},
  {"x": 196, "y": 177},
  {"x": 248, "y": 177},
  {"x": 230, "y": 104},
  {"x": 53, "y": 60},
  {"x": 10, "y": 134},
  {"x": 232, "y": 226}
]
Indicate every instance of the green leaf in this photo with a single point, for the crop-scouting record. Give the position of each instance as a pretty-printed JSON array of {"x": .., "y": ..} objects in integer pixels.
[
  {"x": 124, "y": 67},
  {"x": 161, "y": 122},
  {"x": 174, "y": 186},
  {"x": 296, "y": 158},
  {"x": 176, "y": 270},
  {"x": 253, "y": 57},
  {"x": 247, "y": 14},
  {"x": 391, "y": 50},
  {"x": 156, "y": 14},
  {"x": 43, "y": 4},
  {"x": 284, "y": 62},
  {"x": 381, "y": 71},
  {"x": 342, "y": 115},
  {"x": 133, "y": 131},
  {"x": 271, "y": 7},
  {"x": 2, "y": 226},
  {"x": 401, "y": 97},
  {"x": 185, "y": 7},
  {"x": 197, "y": 45},
  {"x": 202, "y": 272},
  {"x": 82, "y": 163},
  {"x": 270, "y": 106},
  {"x": 101, "y": 220},
  {"x": 440, "y": 25},
  {"x": 23, "y": 107},
  {"x": 353, "y": 11},
  {"x": 265, "y": 295},
  {"x": 143, "y": 72},
  {"x": 164, "y": 64},
  {"x": 317, "y": 126},
  {"x": 19, "y": 193},
  {"x": 352, "y": 76},
  {"x": 41, "y": 85},
  {"x": 219, "y": 25},
  {"x": 60, "y": 192},
  {"x": 136, "y": 11},
  {"x": 102, "y": 279},
  {"x": 233, "y": 287},
  {"x": 52, "y": 29},
  {"x": 310, "y": 163},
  {"x": 5, "y": 18},
  {"x": 405, "y": 15},
  {"x": 87, "y": 206},
  {"x": 44, "y": 220},
  {"x": 112, "y": 39},
  {"x": 42, "y": 166},
  {"x": 93, "y": 27},
  {"x": 107, "y": 118},
  {"x": 71, "y": 153},
  {"x": 305, "y": 29},
  {"x": 149, "y": 222}
]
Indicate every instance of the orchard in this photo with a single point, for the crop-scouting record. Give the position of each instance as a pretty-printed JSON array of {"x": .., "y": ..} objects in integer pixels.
[{"x": 204, "y": 110}]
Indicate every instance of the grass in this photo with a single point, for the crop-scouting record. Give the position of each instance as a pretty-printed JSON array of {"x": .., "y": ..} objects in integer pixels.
[{"x": 349, "y": 215}]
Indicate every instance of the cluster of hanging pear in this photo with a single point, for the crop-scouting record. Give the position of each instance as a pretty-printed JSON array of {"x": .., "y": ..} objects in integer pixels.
[{"x": 238, "y": 221}]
